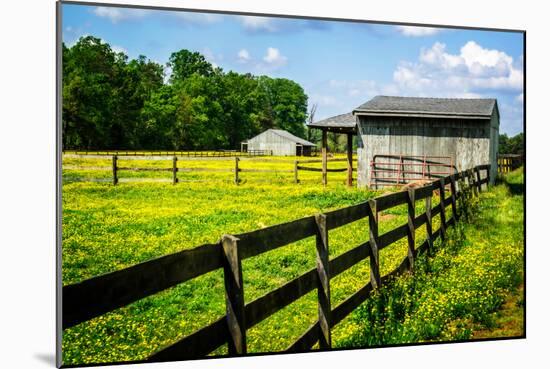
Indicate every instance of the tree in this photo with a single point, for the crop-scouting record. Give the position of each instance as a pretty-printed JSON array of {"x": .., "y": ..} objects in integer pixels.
[
  {"x": 312, "y": 134},
  {"x": 185, "y": 63},
  {"x": 111, "y": 102},
  {"x": 511, "y": 145},
  {"x": 89, "y": 71}
]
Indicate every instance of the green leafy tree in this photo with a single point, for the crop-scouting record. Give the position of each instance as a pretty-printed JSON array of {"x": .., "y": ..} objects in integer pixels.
[{"x": 185, "y": 63}]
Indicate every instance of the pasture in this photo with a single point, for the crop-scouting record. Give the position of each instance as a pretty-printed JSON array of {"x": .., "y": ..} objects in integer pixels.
[{"x": 106, "y": 228}]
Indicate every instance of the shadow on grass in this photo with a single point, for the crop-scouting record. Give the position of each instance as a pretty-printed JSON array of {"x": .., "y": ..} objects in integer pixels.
[{"x": 513, "y": 187}]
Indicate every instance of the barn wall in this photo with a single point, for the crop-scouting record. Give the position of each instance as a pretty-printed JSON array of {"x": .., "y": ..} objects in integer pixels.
[
  {"x": 271, "y": 141},
  {"x": 467, "y": 142}
]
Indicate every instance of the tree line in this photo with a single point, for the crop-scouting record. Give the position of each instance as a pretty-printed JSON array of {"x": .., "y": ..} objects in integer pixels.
[
  {"x": 511, "y": 145},
  {"x": 111, "y": 102}
]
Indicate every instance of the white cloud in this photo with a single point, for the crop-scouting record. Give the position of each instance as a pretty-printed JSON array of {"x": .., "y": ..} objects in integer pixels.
[
  {"x": 415, "y": 31},
  {"x": 243, "y": 56},
  {"x": 473, "y": 70},
  {"x": 211, "y": 57},
  {"x": 252, "y": 23},
  {"x": 274, "y": 59},
  {"x": 198, "y": 18},
  {"x": 116, "y": 15}
]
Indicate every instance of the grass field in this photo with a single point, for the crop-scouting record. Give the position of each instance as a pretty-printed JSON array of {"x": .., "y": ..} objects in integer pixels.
[
  {"x": 472, "y": 288},
  {"x": 106, "y": 228}
]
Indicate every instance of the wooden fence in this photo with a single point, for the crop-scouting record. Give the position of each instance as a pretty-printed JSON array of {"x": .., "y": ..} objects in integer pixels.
[
  {"x": 174, "y": 169},
  {"x": 196, "y": 153},
  {"x": 509, "y": 162},
  {"x": 97, "y": 296},
  {"x": 298, "y": 167}
]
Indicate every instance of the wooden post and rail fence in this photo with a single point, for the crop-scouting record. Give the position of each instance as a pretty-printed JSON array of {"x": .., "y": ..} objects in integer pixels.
[
  {"x": 97, "y": 296},
  {"x": 236, "y": 169},
  {"x": 184, "y": 153},
  {"x": 509, "y": 162}
]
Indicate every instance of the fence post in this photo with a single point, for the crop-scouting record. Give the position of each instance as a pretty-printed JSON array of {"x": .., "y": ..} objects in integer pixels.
[
  {"x": 442, "y": 205},
  {"x": 411, "y": 231},
  {"x": 429, "y": 219},
  {"x": 478, "y": 178},
  {"x": 324, "y": 153},
  {"x": 323, "y": 288},
  {"x": 236, "y": 170},
  {"x": 175, "y": 170},
  {"x": 472, "y": 181},
  {"x": 234, "y": 295},
  {"x": 373, "y": 242},
  {"x": 296, "y": 180},
  {"x": 453, "y": 196},
  {"x": 115, "y": 177}
]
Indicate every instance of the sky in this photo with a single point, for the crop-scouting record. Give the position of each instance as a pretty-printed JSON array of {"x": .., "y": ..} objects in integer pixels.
[{"x": 339, "y": 64}]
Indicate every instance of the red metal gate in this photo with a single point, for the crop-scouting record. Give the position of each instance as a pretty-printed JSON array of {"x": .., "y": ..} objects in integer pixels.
[{"x": 398, "y": 170}]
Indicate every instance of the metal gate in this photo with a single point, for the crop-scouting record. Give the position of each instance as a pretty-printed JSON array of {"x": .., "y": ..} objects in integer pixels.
[{"x": 398, "y": 170}]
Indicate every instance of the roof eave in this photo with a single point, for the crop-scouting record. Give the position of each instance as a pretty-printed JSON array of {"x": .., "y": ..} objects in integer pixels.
[{"x": 421, "y": 115}]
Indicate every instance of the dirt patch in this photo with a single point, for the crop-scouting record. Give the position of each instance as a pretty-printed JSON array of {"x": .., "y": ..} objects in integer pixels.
[
  {"x": 509, "y": 319},
  {"x": 382, "y": 216}
]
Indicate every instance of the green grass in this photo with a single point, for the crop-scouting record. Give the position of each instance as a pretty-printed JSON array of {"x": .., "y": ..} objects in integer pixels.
[
  {"x": 106, "y": 228},
  {"x": 461, "y": 292}
]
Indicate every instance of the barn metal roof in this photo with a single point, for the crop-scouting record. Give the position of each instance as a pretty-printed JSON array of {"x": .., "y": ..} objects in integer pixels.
[
  {"x": 428, "y": 106},
  {"x": 291, "y": 137}
]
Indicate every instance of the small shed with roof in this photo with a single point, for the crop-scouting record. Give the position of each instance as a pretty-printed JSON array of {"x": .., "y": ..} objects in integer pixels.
[
  {"x": 279, "y": 143},
  {"x": 402, "y": 139}
]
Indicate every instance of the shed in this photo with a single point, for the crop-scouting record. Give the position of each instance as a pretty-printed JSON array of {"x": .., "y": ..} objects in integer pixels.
[
  {"x": 278, "y": 142},
  {"x": 401, "y": 139}
]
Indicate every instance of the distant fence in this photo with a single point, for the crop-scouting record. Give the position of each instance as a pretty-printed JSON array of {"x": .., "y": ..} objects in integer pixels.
[
  {"x": 116, "y": 168},
  {"x": 509, "y": 162},
  {"x": 100, "y": 295},
  {"x": 195, "y": 153},
  {"x": 298, "y": 167}
]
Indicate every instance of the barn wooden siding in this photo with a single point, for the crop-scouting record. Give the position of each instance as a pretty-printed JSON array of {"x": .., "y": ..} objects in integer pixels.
[{"x": 469, "y": 142}]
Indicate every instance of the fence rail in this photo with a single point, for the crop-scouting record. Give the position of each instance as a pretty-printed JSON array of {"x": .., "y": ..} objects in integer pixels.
[
  {"x": 298, "y": 167},
  {"x": 195, "y": 153},
  {"x": 97, "y": 296},
  {"x": 236, "y": 169}
]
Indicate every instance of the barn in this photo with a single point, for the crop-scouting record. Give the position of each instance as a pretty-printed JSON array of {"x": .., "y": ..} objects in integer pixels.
[
  {"x": 403, "y": 139},
  {"x": 278, "y": 142}
]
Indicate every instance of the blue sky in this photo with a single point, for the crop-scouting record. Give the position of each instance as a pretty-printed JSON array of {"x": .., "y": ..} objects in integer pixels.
[{"x": 339, "y": 64}]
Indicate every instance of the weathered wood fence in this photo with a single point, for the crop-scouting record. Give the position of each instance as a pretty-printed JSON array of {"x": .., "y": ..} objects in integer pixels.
[
  {"x": 298, "y": 167},
  {"x": 97, "y": 296},
  {"x": 236, "y": 169},
  {"x": 195, "y": 153},
  {"x": 175, "y": 169},
  {"x": 509, "y": 162}
]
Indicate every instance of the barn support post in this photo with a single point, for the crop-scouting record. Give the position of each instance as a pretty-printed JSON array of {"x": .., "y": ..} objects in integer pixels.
[
  {"x": 234, "y": 295},
  {"x": 324, "y": 155},
  {"x": 323, "y": 287},
  {"x": 350, "y": 160}
]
